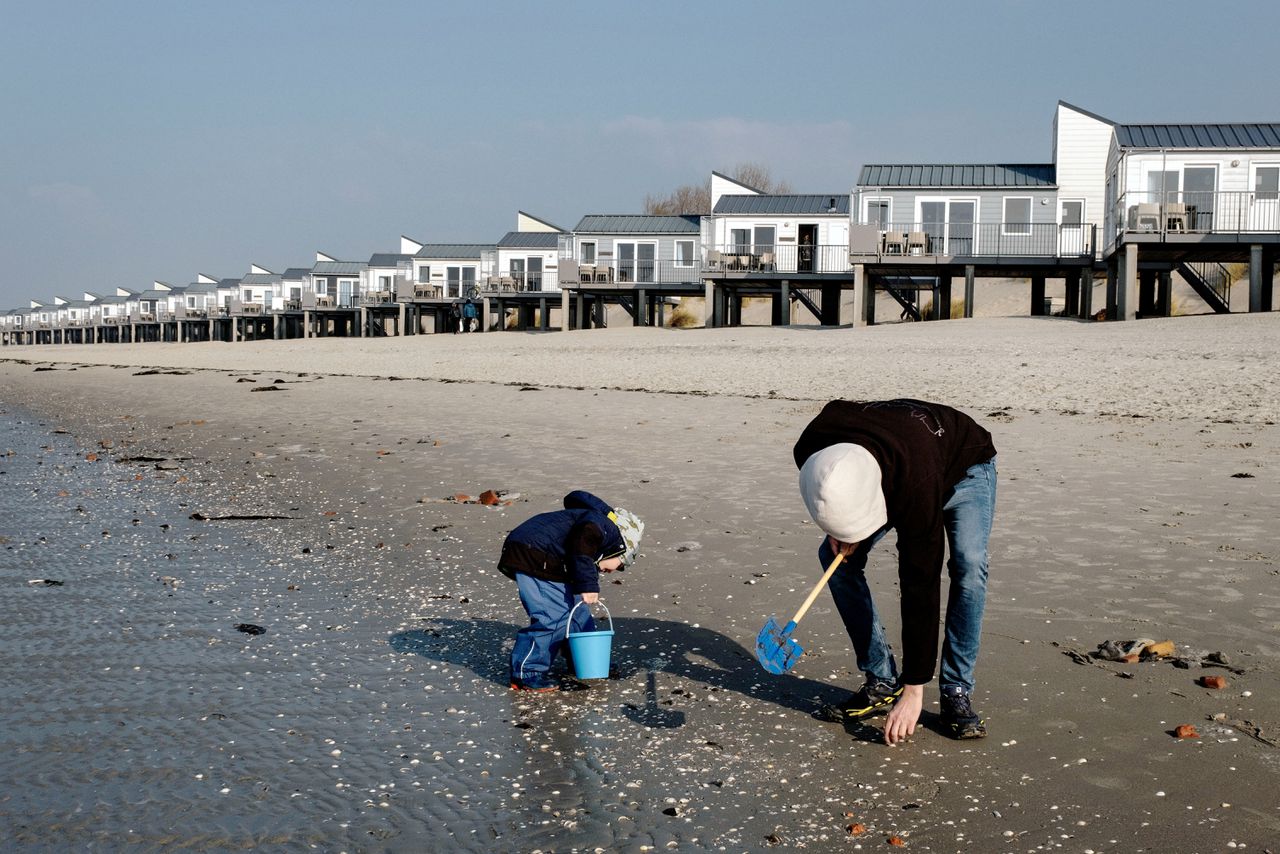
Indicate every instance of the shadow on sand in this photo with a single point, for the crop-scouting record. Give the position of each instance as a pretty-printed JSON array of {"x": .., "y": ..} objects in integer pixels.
[{"x": 642, "y": 645}]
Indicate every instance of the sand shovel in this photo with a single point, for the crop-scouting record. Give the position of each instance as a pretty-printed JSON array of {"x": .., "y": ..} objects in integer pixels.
[{"x": 776, "y": 650}]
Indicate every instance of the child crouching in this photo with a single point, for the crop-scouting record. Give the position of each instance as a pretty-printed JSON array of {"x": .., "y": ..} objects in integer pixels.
[{"x": 556, "y": 559}]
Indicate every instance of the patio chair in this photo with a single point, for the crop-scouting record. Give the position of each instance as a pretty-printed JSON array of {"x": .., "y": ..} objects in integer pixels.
[
  {"x": 604, "y": 274},
  {"x": 1175, "y": 216},
  {"x": 766, "y": 261},
  {"x": 714, "y": 259},
  {"x": 1147, "y": 216},
  {"x": 895, "y": 243},
  {"x": 917, "y": 240},
  {"x": 586, "y": 273}
]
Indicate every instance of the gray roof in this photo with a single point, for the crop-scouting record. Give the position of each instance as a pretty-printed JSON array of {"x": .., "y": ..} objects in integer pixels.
[
  {"x": 388, "y": 259},
  {"x": 260, "y": 279},
  {"x": 295, "y": 273},
  {"x": 1199, "y": 136},
  {"x": 459, "y": 251},
  {"x": 224, "y": 284},
  {"x": 77, "y": 303},
  {"x": 338, "y": 268},
  {"x": 784, "y": 204},
  {"x": 153, "y": 295},
  {"x": 958, "y": 175},
  {"x": 638, "y": 224},
  {"x": 530, "y": 240},
  {"x": 201, "y": 288}
]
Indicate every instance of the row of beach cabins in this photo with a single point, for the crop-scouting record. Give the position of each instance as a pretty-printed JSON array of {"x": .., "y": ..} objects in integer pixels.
[{"x": 1131, "y": 205}]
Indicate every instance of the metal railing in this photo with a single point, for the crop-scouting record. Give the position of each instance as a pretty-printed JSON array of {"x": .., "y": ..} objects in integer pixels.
[
  {"x": 777, "y": 258},
  {"x": 987, "y": 239},
  {"x": 517, "y": 283},
  {"x": 1215, "y": 276},
  {"x": 1196, "y": 212},
  {"x": 632, "y": 273}
]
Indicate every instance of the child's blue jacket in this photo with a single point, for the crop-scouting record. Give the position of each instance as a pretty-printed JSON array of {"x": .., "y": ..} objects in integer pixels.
[{"x": 564, "y": 545}]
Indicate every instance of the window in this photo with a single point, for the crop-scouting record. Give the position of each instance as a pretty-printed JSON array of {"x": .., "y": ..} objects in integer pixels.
[
  {"x": 684, "y": 253},
  {"x": 587, "y": 252},
  {"x": 1266, "y": 183},
  {"x": 764, "y": 238},
  {"x": 517, "y": 272},
  {"x": 248, "y": 296},
  {"x": 1017, "y": 215},
  {"x": 877, "y": 213},
  {"x": 740, "y": 238},
  {"x": 424, "y": 275},
  {"x": 453, "y": 282},
  {"x": 384, "y": 283},
  {"x": 191, "y": 302},
  {"x": 322, "y": 285}
]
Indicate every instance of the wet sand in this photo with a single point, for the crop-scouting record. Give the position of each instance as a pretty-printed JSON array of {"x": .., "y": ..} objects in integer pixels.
[{"x": 1120, "y": 516}]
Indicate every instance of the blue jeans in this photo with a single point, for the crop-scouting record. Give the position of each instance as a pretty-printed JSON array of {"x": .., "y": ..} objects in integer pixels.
[
  {"x": 538, "y": 644},
  {"x": 967, "y": 516}
]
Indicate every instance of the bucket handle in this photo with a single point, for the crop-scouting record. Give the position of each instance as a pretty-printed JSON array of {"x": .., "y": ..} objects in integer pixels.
[{"x": 568, "y": 624}]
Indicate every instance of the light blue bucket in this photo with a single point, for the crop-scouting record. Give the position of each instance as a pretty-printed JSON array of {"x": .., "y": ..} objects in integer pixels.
[{"x": 590, "y": 650}]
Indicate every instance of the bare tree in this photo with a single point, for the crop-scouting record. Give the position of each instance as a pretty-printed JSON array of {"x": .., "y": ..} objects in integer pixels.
[
  {"x": 696, "y": 198},
  {"x": 757, "y": 175},
  {"x": 687, "y": 199}
]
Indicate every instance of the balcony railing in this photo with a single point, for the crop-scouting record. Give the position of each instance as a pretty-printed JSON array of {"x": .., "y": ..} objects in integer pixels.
[
  {"x": 1196, "y": 212},
  {"x": 986, "y": 239},
  {"x": 777, "y": 258},
  {"x": 631, "y": 273},
  {"x": 514, "y": 283}
]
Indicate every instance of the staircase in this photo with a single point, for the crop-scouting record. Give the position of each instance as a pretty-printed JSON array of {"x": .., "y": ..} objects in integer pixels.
[
  {"x": 1211, "y": 281},
  {"x": 900, "y": 286},
  {"x": 810, "y": 298}
]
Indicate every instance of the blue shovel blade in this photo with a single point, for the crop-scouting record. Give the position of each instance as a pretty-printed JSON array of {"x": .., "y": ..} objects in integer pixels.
[{"x": 776, "y": 650}]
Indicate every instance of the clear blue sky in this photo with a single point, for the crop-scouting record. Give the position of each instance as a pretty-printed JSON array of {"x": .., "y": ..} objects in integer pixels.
[{"x": 156, "y": 140}]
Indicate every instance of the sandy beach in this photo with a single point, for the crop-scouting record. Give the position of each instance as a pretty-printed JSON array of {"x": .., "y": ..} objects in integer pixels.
[{"x": 1138, "y": 499}]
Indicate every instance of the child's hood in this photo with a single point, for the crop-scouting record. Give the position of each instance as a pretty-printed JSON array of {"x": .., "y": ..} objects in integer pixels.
[{"x": 580, "y": 499}]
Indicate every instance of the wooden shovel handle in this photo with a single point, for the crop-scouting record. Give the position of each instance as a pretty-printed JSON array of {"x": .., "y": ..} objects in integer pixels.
[{"x": 826, "y": 576}]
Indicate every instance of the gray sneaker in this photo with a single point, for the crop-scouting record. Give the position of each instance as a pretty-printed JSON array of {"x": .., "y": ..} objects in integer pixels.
[{"x": 958, "y": 717}]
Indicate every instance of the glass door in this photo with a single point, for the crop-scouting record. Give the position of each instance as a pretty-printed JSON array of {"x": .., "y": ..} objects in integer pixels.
[
  {"x": 1264, "y": 210},
  {"x": 1199, "y": 184},
  {"x": 646, "y": 262},
  {"x": 1070, "y": 227},
  {"x": 960, "y": 219},
  {"x": 626, "y": 261},
  {"x": 535, "y": 274},
  {"x": 933, "y": 222}
]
